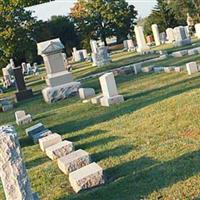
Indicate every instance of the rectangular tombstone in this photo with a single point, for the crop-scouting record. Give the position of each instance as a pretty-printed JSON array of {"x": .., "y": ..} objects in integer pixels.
[
  {"x": 59, "y": 150},
  {"x": 107, "y": 101},
  {"x": 192, "y": 68},
  {"x": 156, "y": 34},
  {"x": 13, "y": 173},
  {"x": 86, "y": 93},
  {"x": 137, "y": 68},
  {"x": 168, "y": 69},
  {"x": 86, "y": 177},
  {"x": 147, "y": 69},
  {"x": 108, "y": 85},
  {"x": 49, "y": 140},
  {"x": 177, "y": 69},
  {"x": 39, "y": 135},
  {"x": 197, "y": 29},
  {"x": 35, "y": 129},
  {"x": 73, "y": 161}
]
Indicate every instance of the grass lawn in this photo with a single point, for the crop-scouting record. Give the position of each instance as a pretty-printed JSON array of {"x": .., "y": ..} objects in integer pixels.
[{"x": 148, "y": 146}]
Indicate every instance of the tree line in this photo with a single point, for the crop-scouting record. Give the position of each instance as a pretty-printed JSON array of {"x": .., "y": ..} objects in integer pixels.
[{"x": 88, "y": 19}]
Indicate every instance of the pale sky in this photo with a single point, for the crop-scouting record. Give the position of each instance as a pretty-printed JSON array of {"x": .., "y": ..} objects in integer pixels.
[{"x": 62, "y": 7}]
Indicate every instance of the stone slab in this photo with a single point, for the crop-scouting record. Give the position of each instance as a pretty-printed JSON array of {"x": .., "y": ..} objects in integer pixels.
[
  {"x": 73, "y": 161},
  {"x": 192, "y": 68},
  {"x": 147, "y": 69},
  {"x": 168, "y": 69},
  {"x": 35, "y": 129},
  {"x": 59, "y": 150},
  {"x": 107, "y": 101},
  {"x": 137, "y": 68},
  {"x": 86, "y": 177},
  {"x": 53, "y": 94},
  {"x": 49, "y": 140},
  {"x": 40, "y": 135},
  {"x": 24, "y": 120},
  {"x": 86, "y": 93}
]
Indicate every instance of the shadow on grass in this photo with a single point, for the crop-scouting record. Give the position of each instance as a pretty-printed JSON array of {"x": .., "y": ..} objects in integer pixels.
[
  {"x": 86, "y": 135},
  {"x": 133, "y": 103},
  {"x": 139, "y": 178},
  {"x": 36, "y": 162},
  {"x": 97, "y": 142},
  {"x": 118, "y": 151},
  {"x": 25, "y": 141}
]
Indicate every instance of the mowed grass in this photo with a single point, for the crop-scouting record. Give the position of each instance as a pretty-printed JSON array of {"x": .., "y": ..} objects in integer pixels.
[{"x": 148, "y": 146}]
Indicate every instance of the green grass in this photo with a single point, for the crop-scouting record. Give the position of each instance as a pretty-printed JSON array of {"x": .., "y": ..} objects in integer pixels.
[{"x": 148, "y": 146}]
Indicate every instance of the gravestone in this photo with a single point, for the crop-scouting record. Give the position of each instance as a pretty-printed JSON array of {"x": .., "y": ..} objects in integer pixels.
[
  {"x": 74, "y": 161},
  {"x": 137, "y": 68},
  {"x": 181, "y": 38},
  {"x": 103, "y": 57},
  {"x": 13, "y": 173},
  {"x": 94, "y": 46},
  {"x": 60, "y": 84},
  {"x": 86, "y": 93},
  {"x": 22, "y": 92},
  {"x": 6, "y": 104},
  {"x": 7, "y": 82},
  {"x": 149, "y": 39},
  {"x": 60, "y": 149},
  {"x": 156, "y": 34},
  {"x": 129, "y": 45},
  {"x": 197, "y": 29},
  {"x": 22, "y": 118},
  {"x": 49, "y": 140},
  {"x": 78, "y": 55},
  {"x": 141, "y": 43},
  {"x": 109, "y": 90},
  {"x": 192, "y": 68},
  {"x": 170, "y": 35},
  {"x": 86, "y": 177}
]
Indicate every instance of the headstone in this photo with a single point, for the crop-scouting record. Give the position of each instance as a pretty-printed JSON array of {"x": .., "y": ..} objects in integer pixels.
[
  {"x": 22, "y": 92},
  {"x": 163, "y": 37},
  {"x": 192, "y": 68},
  {"x": 73, "y": 161},
  {"x": 149, "y": 39},
  {"x": 156, "y": 34},
  {"x": 13, "y": 173},
  {"x": 142, "y": 46},
  {"x": 129, "y": 45},
  {"x": 24, "y": 68},
  {"x": 177, "y": 69},
  {"x": 147, "y": 69},
  {"x": 86, "y": 93},
  {"x": 59, "y": 150},
  {"x": 86, "y": 177},
  {"x": 168, "y": 69},
  {"x": 170, "y": 35},
  {"x": 109, "y": 90},
  {"x": 7, "y": 82},
  {"x": 78, "y": 55},
  {"x": 192, "y": 52},
  {"x": 6, "y": 104},
  {"x": 49, "y": 140},
  {"x": 103, "y": 57},
  {"x": 22, "y": 118},
  {"x": 181, "y": 38},
  {"x": 197, "y": 29},
  {"x": 37, "y": 132},
  {"x": 60, "y": 84},
  {"x": 178, "y": 54},
  {"x": 137, "y": 68},
  {"x": 94, "y": 46}
]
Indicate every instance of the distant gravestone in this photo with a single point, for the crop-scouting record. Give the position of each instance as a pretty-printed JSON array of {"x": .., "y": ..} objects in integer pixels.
[
  {"x": 170, "y": 35},
  {"x": 12, "y": 169},
  {"x": 156, "y": 34},
  {"x": 129, "y": 45},
  {"x": 103, "y": 57},
  {"x": 197, "y": 29},
  {"x": 192, "y": 68},
  {"x": 7, "y": 82},
  {"x": 142, "y": 45},
  {"x": 22, "y": 92},
  {"x": 180, "y": 36}
]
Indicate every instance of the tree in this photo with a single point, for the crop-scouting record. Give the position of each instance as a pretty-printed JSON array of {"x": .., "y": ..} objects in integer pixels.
[
  {"x": 27, "y": 3},
  {"x": 15, "y": 32},
  {"x": 103, "y": 18},
  {"x": 162, "y": 15}
]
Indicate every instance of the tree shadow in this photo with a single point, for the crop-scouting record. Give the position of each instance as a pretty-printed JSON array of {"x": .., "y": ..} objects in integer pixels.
[
  {"x": 133, "y": 102},
  {"x": 98, "y": 142},
  {"x": 86, "y": 135},
  {"x": 25, "y": 141},
  {"x": 36, "y": 162},
  {"x": 118, "y": 151}
]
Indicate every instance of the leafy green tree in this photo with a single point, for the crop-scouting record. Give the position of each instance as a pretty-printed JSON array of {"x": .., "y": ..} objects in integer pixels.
[
  {"x": 15, "y": 32},
  {"x": 103, "y": 18},
  {"x": 162, "y": 15},
  {"x": 27, "y": 3}
]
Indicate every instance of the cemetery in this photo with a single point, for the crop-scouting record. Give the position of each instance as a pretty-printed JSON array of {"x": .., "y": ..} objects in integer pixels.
[{"x": 104, "y": 121}]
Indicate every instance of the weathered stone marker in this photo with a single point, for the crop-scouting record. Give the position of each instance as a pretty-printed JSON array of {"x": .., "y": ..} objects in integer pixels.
[
  {"x": 12, "y": 169},
  {"x": 156, "y": 34}
]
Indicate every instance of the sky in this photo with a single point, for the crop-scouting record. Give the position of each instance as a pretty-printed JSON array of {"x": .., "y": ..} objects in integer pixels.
[{"x": 62, "y": 7}]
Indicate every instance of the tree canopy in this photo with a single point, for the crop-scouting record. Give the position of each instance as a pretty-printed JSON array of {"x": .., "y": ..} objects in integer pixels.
[{"x": 103, "y": 18}]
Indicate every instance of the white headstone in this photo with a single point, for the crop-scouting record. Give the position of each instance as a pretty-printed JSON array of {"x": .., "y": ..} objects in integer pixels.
[
  {"x": 192, "y": 68},
  {"x": 170, "y": 35},
  {"x": 156, "y": 34},
  {"x": 142, "y": 45},
  {"x": 197, "y": 29}
]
